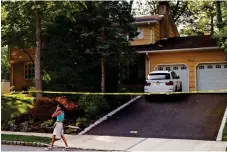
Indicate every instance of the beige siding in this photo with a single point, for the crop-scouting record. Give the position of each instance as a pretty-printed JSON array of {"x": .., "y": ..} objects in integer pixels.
[{"x": 190, "y": 58}]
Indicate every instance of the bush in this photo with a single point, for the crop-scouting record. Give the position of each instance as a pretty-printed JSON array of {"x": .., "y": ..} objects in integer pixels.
[
  {"x": 116, "y": 101},
  {"x": 47, "y": 123},
  {"x": 33, "y": 94},
  {"x": 82, "y": 122},
  {"x": 93, "y": 105},
  {"x": 49, "y": 106}
]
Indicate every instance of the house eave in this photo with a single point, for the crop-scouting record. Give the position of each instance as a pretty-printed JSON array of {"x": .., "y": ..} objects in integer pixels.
[
  {"x": 145, "y": 22},
  {"x": 180, "y": 50}
]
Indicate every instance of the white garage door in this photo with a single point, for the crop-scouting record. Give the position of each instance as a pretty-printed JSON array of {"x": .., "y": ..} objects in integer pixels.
[
  {"x": 181, "y": 70},
  {"x": 211, "y": 76}
]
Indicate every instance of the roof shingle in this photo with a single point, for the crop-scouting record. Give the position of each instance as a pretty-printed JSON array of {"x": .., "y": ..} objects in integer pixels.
[{"x": 179, "y": 43}]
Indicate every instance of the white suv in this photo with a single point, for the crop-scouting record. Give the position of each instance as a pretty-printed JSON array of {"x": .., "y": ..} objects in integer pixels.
[{"x": 163, "y": 81}]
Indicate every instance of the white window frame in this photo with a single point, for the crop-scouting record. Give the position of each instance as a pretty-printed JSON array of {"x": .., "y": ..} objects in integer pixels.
[
  {"x": 141, "y": 34},
  {"x": 26, "y": 71}
]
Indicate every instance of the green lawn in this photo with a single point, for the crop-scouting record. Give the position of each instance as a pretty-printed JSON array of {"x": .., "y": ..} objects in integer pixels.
[
  {"x": 224, "y": 134},
  {"x": 15, "y": 104},
  {"x": 23, "y": 138}
]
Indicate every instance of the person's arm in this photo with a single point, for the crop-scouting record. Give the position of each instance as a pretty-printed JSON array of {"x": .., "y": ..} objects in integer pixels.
[{"x": 56, "y": 113}]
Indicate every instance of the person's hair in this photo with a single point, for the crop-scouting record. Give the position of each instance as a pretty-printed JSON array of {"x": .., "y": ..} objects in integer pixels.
[{"x": 62, "y": 107}]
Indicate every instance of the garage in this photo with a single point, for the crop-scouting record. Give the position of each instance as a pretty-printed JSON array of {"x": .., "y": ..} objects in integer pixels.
[
  {"x": 211, "y": 76},
  {"x": 181, "y": 70}
]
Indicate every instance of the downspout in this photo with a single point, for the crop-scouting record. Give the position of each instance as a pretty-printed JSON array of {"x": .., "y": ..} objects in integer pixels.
[
  {"x": 12, "y": 74},
  {"x": 149, "y": 63}
]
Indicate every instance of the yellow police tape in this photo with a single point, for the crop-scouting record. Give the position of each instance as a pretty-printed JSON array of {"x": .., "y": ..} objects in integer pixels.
[{"x": 127, "y": 93}]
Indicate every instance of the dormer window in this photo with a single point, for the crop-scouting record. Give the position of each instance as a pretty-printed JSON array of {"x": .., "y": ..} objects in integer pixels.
[{"x": 141, "y": 34}]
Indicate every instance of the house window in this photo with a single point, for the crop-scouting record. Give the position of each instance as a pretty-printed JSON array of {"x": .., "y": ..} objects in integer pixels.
[
  {"x": 141, "y": 34},
  {"x": 218, "y": 66},
  {"x": 209, "y": 67},
  {"x": 225, "y": 66},
  {"x": 175, "y": 68},
  {"x": 168, "y": 68},
  {"x": 29, "y": 71},
  {"x": 160, "y": 68},
  {"x": 201, "y": 67},
  {"x": 183, "y": 67}
]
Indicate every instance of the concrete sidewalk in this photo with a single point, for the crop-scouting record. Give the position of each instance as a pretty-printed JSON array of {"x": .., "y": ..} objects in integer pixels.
[{"x": 134, "y": 144}]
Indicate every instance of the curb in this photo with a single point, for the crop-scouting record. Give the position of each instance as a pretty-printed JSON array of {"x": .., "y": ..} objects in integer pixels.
[
  {"x": 36, "y": 144},
  {"x": 21, "y": 143},
  {"x": 108, "y": 115}
]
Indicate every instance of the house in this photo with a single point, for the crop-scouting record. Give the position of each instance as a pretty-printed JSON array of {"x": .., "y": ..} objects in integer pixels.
[
  {"x": 21, "y": 68},
  {"x": 198, "y": 60}
]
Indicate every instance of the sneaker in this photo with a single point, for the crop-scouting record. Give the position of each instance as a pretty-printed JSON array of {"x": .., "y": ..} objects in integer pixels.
[
  {"x": 65, "y": 149},
  {"x": 48, "y": 148}
]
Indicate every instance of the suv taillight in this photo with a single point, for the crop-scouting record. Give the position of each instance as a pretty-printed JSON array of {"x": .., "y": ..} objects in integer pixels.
[
  {"x": 147, "y": 83},
  {"x": 169, "y": 83}
]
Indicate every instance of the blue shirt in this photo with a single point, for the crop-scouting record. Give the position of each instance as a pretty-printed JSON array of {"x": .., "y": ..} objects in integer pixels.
[{"x": 60, "y": 118}]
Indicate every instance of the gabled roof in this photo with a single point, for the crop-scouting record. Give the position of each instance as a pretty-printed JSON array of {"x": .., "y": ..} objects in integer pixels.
[{"x": 174, "y": 43}]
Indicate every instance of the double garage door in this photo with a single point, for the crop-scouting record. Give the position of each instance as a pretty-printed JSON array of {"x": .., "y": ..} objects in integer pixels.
[
  {"x": 211, "y": 76},
  {"x": 181, "y": 71}
]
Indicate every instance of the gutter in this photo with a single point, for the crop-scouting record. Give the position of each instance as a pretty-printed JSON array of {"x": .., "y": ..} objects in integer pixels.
[
  {"x": 180, "y": 50},
  {"x": 145, "y": 22}
]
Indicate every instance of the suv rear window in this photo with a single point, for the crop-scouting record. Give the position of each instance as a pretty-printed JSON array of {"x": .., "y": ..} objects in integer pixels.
[{"x": 159, "y": 76}]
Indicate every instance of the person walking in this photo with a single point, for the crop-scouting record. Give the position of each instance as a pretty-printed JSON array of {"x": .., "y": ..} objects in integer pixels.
[{"x": 58, "y": 127}]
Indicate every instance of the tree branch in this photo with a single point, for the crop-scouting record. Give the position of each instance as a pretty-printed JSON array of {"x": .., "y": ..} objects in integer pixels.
[
  {"x": 182, "y": 10},
  {"x": 176, "y": 8}
]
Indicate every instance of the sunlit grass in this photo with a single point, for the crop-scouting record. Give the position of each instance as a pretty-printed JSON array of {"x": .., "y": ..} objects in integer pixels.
[
  {"x": 15, "y": 104},
  {"x": 24, "y": 138},
  {"x": 224, "y": 134}
]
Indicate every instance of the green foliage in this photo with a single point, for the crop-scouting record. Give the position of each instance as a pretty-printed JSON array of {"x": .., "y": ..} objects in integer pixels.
[
  {"x": 224, "y": 133},
  {"x": 221, "y": 36},
  {"x": 32, "y": 89},
  {"x": 73, "y": 54},
  {"x": 5, "y": 69},
  {"x": 178, "y": 9},
  {"x": 47, "y": 123},
  {"x": 24, "y": 138},
  {"x": 93, "y": 105},
  {"x": 14, "y": 105},
  {"x": 82, "y": 122}
]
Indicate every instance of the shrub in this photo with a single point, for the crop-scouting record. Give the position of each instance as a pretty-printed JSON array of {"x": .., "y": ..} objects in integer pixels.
[
  {"x": 93, "y": 105},
  {"x": 82, "y": 122},
  {"x": 33, "y": 94},
  {"x": 45, "y": 107},
  {"x": 47, "y": 123}
]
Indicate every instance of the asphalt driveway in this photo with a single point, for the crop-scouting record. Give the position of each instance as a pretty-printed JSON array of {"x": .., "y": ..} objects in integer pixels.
[{"x": 196, "y": 116}]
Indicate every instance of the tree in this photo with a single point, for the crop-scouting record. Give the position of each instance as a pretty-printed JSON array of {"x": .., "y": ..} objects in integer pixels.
[
  {"x": 19, "y": 30},
  {"x": 221, "y": 23},
  {"x": 80, "y": 46},
  {"x": 178, "y": 9},
  {"x": 203, "y": 13},
  {"x": 5, "y": 63}
]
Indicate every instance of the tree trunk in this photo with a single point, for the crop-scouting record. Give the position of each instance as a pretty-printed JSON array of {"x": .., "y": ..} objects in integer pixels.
[
  {"x": 219, "y": 14},
  {"x": 103, "y": 74},
  {"x": 212, "y": 24},
  {"x": 38, "y": 83}
]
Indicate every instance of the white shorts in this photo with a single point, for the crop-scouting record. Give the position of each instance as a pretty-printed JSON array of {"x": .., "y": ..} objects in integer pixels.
[{"x": 58, "y": 130}]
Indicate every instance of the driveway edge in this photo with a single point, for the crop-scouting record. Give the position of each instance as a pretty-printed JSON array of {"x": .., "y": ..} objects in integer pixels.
[
  {"x": 220, "y": 132},
  {"x": 108, "y": 115}
]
